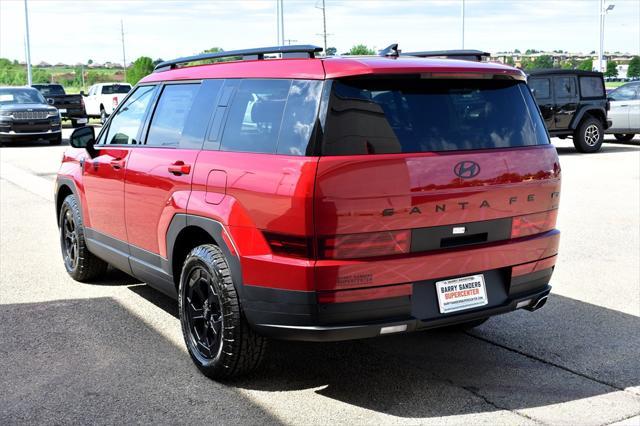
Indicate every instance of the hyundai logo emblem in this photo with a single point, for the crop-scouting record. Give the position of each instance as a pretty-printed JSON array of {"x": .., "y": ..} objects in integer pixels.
[{"x": 466, "y": 169}]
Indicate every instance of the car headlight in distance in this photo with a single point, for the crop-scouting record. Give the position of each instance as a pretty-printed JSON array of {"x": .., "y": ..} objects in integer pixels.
[
  {"x": 53, "y": 113},
  {"x": 5, "y": 113}
]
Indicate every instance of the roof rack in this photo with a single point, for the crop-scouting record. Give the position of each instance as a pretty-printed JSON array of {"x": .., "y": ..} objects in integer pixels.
[
  {"x": 294, "y": 51},
  {"x": 464, "y": 54}
]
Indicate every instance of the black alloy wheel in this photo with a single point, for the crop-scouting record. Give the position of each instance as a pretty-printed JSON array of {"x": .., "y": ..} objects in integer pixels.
[
  {"x": 203, "y": 312},
  {"x": 70, "y": 247}
]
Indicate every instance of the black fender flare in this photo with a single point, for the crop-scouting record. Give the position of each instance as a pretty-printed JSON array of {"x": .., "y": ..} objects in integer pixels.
[
  {"x": 60, "y": 182},
  {"x": 216, "y": 231},
  {"x": 577, "y": 119}
]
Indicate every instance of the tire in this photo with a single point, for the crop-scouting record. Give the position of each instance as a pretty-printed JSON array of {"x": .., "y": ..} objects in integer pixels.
[
  {"x": 103, "y": 116},
  {"x": 219, "y": 339},
  {"x": 463, "y": 326},
  {"x": 56, "y": 141},
  {"x": 589, "y": 135},
  {"x": 74, "y": 124},
  {"x": 624, "y": 137},
  {"x": 79, "y": 262}
]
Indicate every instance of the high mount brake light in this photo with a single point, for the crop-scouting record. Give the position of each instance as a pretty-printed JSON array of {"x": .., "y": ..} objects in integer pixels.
[
  {"x": 369, "y": 244},
  {"x": 535, "y": 223}
]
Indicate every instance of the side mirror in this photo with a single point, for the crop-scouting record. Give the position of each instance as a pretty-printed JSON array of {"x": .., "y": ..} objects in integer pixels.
[
  {"x": 82, "y": 93},
  {"x": 83, "y": 137},
  {"x": 50, "y": 101}
]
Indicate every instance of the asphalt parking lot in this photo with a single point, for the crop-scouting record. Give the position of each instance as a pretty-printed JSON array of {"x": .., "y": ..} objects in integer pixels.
[{"x": 112, "y": 351}]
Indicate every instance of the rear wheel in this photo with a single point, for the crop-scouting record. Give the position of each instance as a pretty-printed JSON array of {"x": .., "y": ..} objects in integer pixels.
[
  {"x": 624, "y": 137},
  {"x": 589, "y": 135},
  {"x": 79, "y": 262},
  {"x": 218, "y": 337}
]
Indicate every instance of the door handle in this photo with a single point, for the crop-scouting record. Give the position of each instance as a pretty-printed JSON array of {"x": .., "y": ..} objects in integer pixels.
[
  {"x": 117, "y": 163},
  {"x": 179, "y": 168}
]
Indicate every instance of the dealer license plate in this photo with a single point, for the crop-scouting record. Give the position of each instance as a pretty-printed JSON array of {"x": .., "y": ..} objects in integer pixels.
[
  {"x": 62, "y": 110},
  {"x": 462, "y": 293}
]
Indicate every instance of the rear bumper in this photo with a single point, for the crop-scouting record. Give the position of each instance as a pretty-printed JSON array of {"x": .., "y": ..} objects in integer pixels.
[
  {"x": 332, "y": 333},
  {"x": 288, "y": 315}
]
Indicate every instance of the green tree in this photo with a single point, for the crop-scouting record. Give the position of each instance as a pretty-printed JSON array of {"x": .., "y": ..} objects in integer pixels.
[
  {"x": 90, "y": 61},
  {"x": 141, "y": 67},
  {"x": 544, "y": 61},
  {"x": 331, "y": 51},
  {"x": 516, "y": 51},
  {"x": 586, "y": 65},
  {"x": 5, "y": 64},
  {"x": 612, "y": 69},
  {"x": 634, "y": 67},
  {"x": 509, "y": 61},
  {"x": 361, "y": 49},
  {"x": 569, "y": 64}
]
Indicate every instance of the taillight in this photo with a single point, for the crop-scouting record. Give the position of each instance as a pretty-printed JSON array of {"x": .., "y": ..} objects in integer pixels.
[
  {"x": 289, "y": 245},
  {"x": 535, "y": 223},
  {"x": 368, "y": 244},
  {"x": 115, "y": 101}
]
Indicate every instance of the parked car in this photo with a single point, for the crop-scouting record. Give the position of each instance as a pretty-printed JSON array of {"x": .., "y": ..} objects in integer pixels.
[
  {"x": 573, "y": 103},
  {"x": 71, "y": 107},
  {"x": 317, "y": 199},
  {"x": 625, "y": 111},
  {"x": 103, "y": 98},
  {"x": 26, "y": 116}
]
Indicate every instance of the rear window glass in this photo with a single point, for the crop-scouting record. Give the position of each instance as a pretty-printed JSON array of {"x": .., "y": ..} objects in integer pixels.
[
  {"x": 378, "y": 116},
  {"x": 115, "y": 89},
  {"x": 540, "y": 87},
  {"x": 591, "y": 87},
  {"x": 171, "y": 114},
  {"x": 50, "y": 90}
]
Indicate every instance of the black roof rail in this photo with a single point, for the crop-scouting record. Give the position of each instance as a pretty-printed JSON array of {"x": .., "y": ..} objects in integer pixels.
[
  {"x": 465, "y": 54},
  {"x": 294, "y": 51}
]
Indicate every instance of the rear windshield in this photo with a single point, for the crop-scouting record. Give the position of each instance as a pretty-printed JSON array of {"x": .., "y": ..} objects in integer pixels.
[
  {"x": 400, "y": 115},
  {"x": 591, "y": 87},
  {"x": 50, "y": 90},
  {"x": 115, "y": 89}
]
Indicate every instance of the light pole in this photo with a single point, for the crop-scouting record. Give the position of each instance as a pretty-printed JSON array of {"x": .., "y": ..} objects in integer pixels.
[
  {"x": 463, "y": 24},
  {"x": 28, "y": 46},
  {"x": 124, "y": 58},
  {"x": 604, "y": 9}
]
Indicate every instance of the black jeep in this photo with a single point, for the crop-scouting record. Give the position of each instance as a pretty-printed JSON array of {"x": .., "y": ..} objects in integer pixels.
[{"x": 573, "y": 103}]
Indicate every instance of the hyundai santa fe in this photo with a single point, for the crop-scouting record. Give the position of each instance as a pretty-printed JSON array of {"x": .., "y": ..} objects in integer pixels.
[{"x": 317, "y": 199}]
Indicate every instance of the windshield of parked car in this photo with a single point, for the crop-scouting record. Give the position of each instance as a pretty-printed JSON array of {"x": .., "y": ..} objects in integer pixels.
[
  {"x": 20, "y": 96},
  {"x": 115, "y": 89},
  {"x": 397, "y": 115},
  {"x": 50, "y": 90}
]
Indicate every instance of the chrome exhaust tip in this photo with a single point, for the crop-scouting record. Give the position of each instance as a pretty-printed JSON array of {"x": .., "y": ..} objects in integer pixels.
[{"x": 537, "y": 305}]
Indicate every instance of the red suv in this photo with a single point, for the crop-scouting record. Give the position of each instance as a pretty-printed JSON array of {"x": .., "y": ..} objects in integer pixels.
[{"x": 317, "y": 199}]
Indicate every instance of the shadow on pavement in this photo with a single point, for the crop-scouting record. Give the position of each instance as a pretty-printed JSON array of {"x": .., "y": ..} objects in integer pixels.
[
  {"x": 93, "y": 361},
  {"x": 607, "y": 148},
  {"x": 567, "y": 351}
]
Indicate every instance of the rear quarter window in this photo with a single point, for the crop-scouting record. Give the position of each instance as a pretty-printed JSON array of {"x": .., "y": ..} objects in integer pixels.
[{"x": 591, "y": 87}]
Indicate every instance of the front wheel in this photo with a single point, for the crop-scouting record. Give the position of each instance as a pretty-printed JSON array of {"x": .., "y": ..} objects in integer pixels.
[
  {"x": 589, "y": 135},
  {"x": 56, "y": 141},
  {"x": 624, "y": 137},
  {"x": 79, "y": 262},
  {"x": 219, "y": 339}
]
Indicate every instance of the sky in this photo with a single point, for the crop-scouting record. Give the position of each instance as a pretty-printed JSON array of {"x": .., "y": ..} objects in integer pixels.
[{"x": 76, "y": 31}]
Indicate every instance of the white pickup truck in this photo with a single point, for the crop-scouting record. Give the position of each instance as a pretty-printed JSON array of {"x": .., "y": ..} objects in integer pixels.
[{"x": 103, "y": 98}]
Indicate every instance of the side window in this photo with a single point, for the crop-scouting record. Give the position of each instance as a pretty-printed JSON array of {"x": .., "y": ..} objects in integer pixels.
[
  {"x": 540, "y": 87},
  {"x": 564, "y": 87},
  {"x": 255, "y": 116},
  {"x": 624, "y": 93},
  {"x": 591, "y": 87},
  {"x": 299, "y": 117},
  {"x": 171, "y": 114},
  {"x": 125, "y": 123}
]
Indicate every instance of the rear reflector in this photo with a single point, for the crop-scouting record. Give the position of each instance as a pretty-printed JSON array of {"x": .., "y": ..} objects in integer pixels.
[
  {"x": 532, "y": 224},
  {"x": 371, "y": 293},
  {"x": 393, "y": 329},
  {"x": 368, "y": 244},
  {"x": 290, "y": 245}
]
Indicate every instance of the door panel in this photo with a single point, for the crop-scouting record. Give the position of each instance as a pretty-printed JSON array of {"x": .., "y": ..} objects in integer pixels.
[
  {"x": 541, "y": 89},
  {"x": 566, "y": 99},
  {"x": 154, "y": 194},
  {"x": 619, "y": 114},
  {"x": 104, "y": 191}
]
